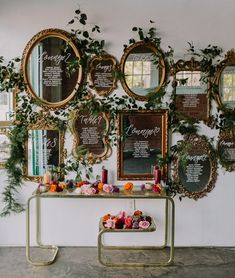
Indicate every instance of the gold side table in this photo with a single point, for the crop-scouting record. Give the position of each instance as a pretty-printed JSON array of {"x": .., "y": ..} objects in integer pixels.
[{"x": 169, "y": 220}]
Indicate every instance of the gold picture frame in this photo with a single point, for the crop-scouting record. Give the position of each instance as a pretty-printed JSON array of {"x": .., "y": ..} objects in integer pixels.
[
  {"x": 45, "y": 147},
  {"x": 91, "y": 132},
  {"x": 143, "y": 135},
  {"x": 150, "y": 71},
  {"x": 4, "y": 145},
  {"x": 48, "y": 54}
]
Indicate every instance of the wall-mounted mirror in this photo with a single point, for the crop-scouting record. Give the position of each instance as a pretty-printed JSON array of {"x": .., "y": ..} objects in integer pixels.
[
  {"x": 191, "y": 98},
  {"x": 226, "y": 149},
  {"x": 91, "y": 131},
  {"x": 102, "y": 74},
  {"x": 143, "y": 69},
  {"x": 225, "y": 81},
  {"x": 45, "y": 64},
  {"x": 44, "y": 150},
  {"x": 4, "y": 146},
  {"x": 143, "y": 136},
  {"x": 195, "y": 167},
  {"x": 7, "y": 107}
]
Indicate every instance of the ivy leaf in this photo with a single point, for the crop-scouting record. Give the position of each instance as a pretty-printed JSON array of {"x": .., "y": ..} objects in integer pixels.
[
  {"x": 85, "y": 34},
  {"x": 82, "y": 21},
  {"x": 77, "y": 11},
  {"x": 151, "y": 21},
  {"x": 134, "y": 29},
  {"x": 71, "y": 21}
]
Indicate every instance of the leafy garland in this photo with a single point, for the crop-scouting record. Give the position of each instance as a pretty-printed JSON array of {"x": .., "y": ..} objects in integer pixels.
[{"x": 28, "y": 110}]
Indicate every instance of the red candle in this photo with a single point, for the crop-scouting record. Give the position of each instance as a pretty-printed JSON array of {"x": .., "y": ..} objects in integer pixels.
[
  {"x": 104, "y": 176},
  {"x": 157, "y": 175}
]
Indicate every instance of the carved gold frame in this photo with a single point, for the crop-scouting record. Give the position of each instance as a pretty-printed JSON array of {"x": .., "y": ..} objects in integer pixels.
[
  {"x": 164, "y": 114},
  {"x": 91, "y": 157},
  {"x": 223, "y": 135},
  {"x": 63, "y": 35},
  {"x": 4, "y": 130},
  {"x": 228, "y": 61},
  {"x": 104, "y": 56},
  {"x": 190, "y": 65},
  {"x": 44, "y": 124},
  {"x": 162, "y": 62},
  {"x": 194, "y": 141}
]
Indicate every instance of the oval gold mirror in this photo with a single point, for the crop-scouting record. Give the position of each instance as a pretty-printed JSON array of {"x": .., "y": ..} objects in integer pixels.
[
  {"x": 225, "y": 81},
  {"x": 143, "y": 69},
  {"x": 195, "y": 167},
  {"x": 45, "y": 65}
]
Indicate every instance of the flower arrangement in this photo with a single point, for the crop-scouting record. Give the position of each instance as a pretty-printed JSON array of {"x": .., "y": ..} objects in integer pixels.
[
  {"x": 124, "y": 220},
  {"x": 148, "y": 186},
  {"x": 81, "y": 187},
  {"x": 128, "y": 186}
]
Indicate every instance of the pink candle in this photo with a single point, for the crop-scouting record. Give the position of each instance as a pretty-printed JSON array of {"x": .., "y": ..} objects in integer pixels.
[
  {"x": 104, "y": 176},
  {"x": 157, "y": 176}
]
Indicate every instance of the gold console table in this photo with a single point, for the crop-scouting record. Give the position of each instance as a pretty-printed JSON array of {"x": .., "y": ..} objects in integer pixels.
[{"x": 169, "y": 221}]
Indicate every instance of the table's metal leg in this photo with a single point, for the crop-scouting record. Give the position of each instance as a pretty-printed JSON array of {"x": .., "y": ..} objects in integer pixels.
[
  {"x": 38, "y": 235},
  {"x": 102, "y": 247}
]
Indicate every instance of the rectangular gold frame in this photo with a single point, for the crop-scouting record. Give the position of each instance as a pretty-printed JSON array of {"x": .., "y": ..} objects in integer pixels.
[
  {"x": 4, "y": 130},
  {"x": 8, "y": 123},
  {"x": 164, "y": 138}
]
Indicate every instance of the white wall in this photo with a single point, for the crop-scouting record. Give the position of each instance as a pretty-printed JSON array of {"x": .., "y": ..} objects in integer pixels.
[{"x": 207, "y": 222}]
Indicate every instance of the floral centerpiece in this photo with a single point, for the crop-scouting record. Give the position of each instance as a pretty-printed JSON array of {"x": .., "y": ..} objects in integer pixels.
[
  {"x": 124, "y": 220},
  {"x": 151, "y": 187}
]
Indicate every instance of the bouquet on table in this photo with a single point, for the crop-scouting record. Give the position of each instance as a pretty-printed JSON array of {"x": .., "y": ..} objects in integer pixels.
[{"x": 124, "y": 220}]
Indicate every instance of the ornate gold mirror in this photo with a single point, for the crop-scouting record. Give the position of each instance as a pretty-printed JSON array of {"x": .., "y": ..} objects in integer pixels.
[
  {"x": 4, "y": 146},
  {"x": 44, "y": 150},
  {"x": 45, "y": 65},
  {"x": 102, "y": 74},
  {"x": 91, "y": 131},
  {"x": 191, "y": 98},
  {"x": 143, "y": 136},
  {"x": 226, "y": 149},
  {"x": 195, "y": 167},
  {"x": 225, "y": 81},
  {"x": 143, "y": 69}
]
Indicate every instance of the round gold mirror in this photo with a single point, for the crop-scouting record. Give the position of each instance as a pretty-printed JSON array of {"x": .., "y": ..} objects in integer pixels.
[
  {"x": 143, "y": 69},
  {"x": 46, "y": 61}
]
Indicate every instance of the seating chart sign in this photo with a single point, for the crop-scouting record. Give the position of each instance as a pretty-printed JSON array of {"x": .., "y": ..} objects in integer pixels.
[
  {"x": 102, "y": 74},
  {"x": 143, "y": 136}
]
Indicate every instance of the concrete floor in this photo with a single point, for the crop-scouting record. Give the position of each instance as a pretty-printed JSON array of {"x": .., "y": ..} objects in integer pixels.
[{"x": 81, "y": 262}]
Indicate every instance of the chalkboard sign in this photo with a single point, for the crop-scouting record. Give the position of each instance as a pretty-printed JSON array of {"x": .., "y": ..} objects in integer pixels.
[
  {"x": 91, "y": 131},
  {"x": 226, "y": 149},
  {"x": 143, "y": 136},
  {"x": 102, "y": 74},
  {"x": 195, "y": 169},
  {"x": 191, "y": 98},
  {"x": 43, "y": 151}
]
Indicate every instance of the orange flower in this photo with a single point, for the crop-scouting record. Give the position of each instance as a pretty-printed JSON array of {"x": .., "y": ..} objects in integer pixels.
[
  {"x": 100, "y": 186},
  {"x": 138, "y": 212},
  {"x": 106, "y": 217},
  {"x": 53, "y": 187},
  {"x": 128, "y": 186}
]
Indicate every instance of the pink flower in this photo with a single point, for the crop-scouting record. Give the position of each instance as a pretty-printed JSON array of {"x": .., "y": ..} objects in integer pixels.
[
  {"x": 144, "y": 224},
  {"x": 110, "y": 224},
  {"x": 107, "y": 188},
  {"x": 87, "y": 190},
  {"x": 128, "y": 222}
]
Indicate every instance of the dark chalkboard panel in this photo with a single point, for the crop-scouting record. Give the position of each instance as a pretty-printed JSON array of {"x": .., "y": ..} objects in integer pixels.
[
  {"x": 195, "y": 166},
  {"x": 143, "y": 137},
  {"x": 102, "y": 74},
  {"x": 226, "y": 149},
  {"x": 91, "y": 131}
]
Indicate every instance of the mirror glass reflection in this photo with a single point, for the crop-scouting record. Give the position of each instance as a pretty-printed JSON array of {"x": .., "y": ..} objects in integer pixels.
[
  {"x": 142, "y": 75},
  {"x": 47, "y": 69},
  {"x": 43, "y": 149},
  {"x": 227, "y": 86}
]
